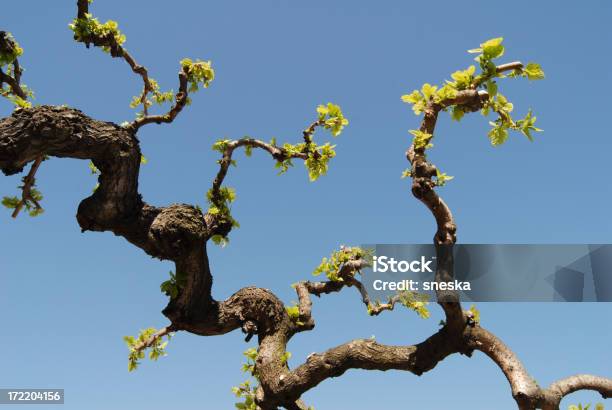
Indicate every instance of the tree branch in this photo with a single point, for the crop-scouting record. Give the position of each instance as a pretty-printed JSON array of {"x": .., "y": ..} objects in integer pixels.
[
  {"x": 561, "y": 388},
  {"x": 118, "y": 51},
  {"x": 304, "y": 306},
  {"x": 515, "y": 65},
  {"x": 277, "y": 153},
  {"x": 361, "y": 354},
  {"x": 26, "y": 188},
  {"x": 181, "y": 99},
  {"x": 154, "y": 338},
  {"x": 7, "y": 47}
]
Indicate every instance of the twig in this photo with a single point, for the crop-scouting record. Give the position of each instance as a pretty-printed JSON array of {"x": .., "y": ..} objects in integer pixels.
[
  {"x": 28, "y": 183},
  {"x": 116, "y": 50},
  {"x": 151, "y": 341}
]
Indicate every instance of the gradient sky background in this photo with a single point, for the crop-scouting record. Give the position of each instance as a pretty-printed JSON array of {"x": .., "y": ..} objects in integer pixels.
[{"x": 68, "y": 298}]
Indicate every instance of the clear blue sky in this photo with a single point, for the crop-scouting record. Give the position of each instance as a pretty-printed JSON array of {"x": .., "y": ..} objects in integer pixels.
[{"x": 68, "y": 298}]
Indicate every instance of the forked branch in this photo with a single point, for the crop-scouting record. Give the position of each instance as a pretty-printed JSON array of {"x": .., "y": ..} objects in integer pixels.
[{"x": 88, "y": 30}]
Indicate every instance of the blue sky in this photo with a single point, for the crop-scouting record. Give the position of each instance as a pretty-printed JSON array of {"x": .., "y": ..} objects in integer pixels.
[{"x": 68, "y": 298}]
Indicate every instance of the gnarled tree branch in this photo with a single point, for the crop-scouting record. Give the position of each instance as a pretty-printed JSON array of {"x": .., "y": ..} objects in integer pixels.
[
  {"x": 118, "y": 51},
  {"x": 180, "y": 232}
]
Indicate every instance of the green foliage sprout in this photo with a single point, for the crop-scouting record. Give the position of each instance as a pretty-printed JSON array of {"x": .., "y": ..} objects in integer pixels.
[
  {"x": 88, "y": 27},
  {"x": 468, "y": 79},
  {"x": 157, "y": 97},
  {"x": 332, "y": 266},
  {"x": 29, "y": 203},
  {"x": 8, "y": 55},
  {"x": 174, "y": 285},
  {"x": 293, "y": 311},
  {"x": 157, "y": 348},
  {"x": 317, "y": 162},
  {"x": 415, "y": 301},
  {"x": 220, "y": 207},
  {"x": 421, "y": 139},
  {"x": 442, "y": 178},
  {"x": 474, "y": 315},
  {"x": 198, "y": 73},
  {"x": 9, "y": 52},
  {"x": 598, "y": 406},
  {"x": 332, "y": 118},
  {"x": 246, "y": 391},
  {"x": 12, "y": 202}
]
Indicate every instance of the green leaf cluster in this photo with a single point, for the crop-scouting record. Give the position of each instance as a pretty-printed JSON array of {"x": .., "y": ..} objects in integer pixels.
[
  {"x": 289, "y": 151},
  {"x": 463, "y": 79},
  {"x": 157, "y": 96},
  {"x": 332, "y": 118},
  {"x": 331, "y": 266},
  {"x": 156, "y": 350},
  {"x": 245, "y": 391},
  {"x": 10, "y": 50},
  {"x": 294, "y": 313},
  {"x": 7, "y": 92},
  {"x": 415, "y": 301},
  {"x": 598, "y": 406},
  {"x": 421, "y": 139},
  {"x": 500, "y": 127},
  {"x": 199, "y": 73},
  {"x": 219, "y": 206},
  {"x": 94, "y": 170},
  {"x": 532, "y": 71},
  {"x": 489, "y": 50},
  {"x": 12, "y": 202},
  {"x": 16, "y": 100},
  {"x": 317, "y": 162},
  {"x": 249, "y": 366},
  {"x": 442, "y": 178},
  {"x": 285, "y": 357},
  {"x": 221, "y": 145},
  {"x": 88, "y": 27},
  {"x": 10, "y": 53},
  {"x": 428, "y": 92},
  {"x": 174, "y": 285},
  {"x": 468, "y": 79}
]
